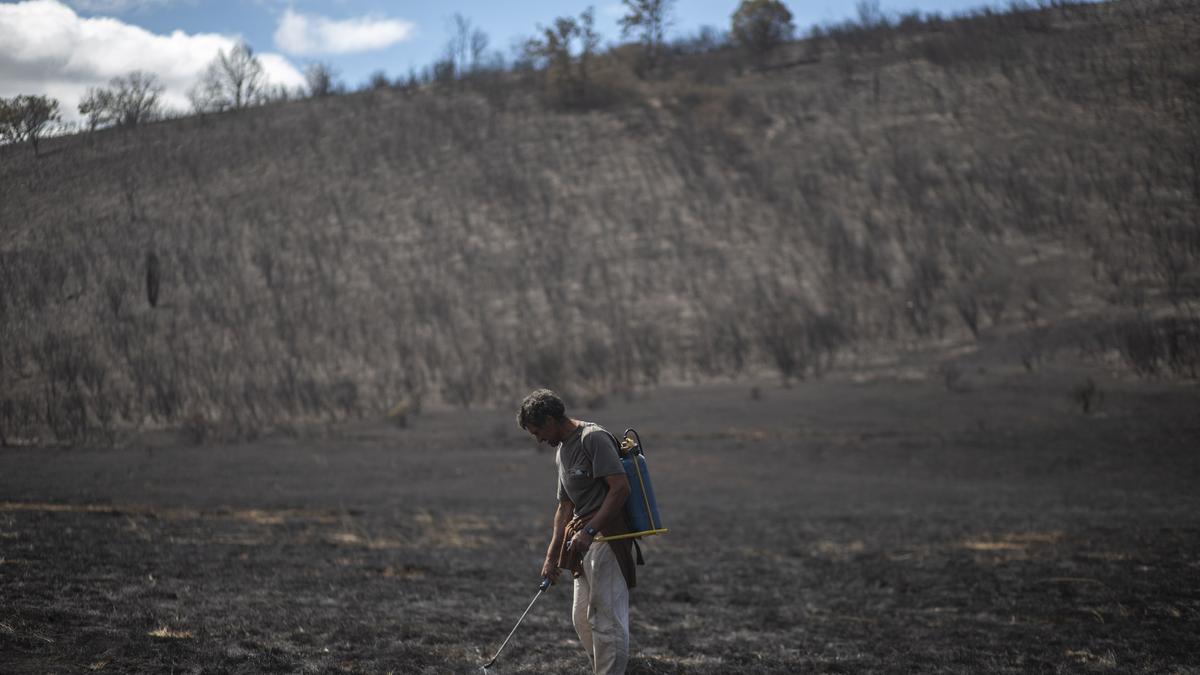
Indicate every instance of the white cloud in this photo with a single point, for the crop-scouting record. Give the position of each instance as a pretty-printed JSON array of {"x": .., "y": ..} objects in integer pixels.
[
  {"x": 116, "y": 6},
  {"x": 49, "y": 49},
  {"x": 309, "y": 34}
]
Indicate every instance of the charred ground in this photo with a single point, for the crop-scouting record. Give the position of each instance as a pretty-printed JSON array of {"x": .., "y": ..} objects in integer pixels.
[{"x": 874, "y": 523}]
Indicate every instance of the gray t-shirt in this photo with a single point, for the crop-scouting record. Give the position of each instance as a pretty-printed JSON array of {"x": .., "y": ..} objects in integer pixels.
[{"x": 583, "y": 460}]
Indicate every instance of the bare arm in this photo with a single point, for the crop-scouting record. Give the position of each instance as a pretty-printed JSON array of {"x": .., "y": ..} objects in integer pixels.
[
  {"x": 614, "y": 501},
  {"x": 562, "y": 516}
]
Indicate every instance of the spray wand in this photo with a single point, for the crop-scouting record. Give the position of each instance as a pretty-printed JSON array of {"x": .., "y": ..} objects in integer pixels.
[{"x": 541, "y": 589}]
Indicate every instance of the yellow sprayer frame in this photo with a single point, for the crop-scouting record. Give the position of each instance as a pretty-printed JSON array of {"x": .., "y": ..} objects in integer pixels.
[{"x": 628, "y": 444}]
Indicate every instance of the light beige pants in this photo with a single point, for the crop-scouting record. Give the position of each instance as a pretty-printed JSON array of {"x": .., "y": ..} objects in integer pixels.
[{"x": 601, "y": 610}]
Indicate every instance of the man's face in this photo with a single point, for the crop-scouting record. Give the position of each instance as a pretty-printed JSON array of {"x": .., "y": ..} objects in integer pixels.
[{"x": 547, "y": 433}]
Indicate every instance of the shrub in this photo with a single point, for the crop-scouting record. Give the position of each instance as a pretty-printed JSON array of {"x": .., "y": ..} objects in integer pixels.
[
  {"x": 153, "y": 278},
  {"x": 232, "y": 81},
  {"x": 566, "y": 53},
  {"x": 1087, "y": 395},
  {"x": 649, "y": 19},
  {"x": 798, "y": 340},
  {"x": 128, "y": 101},
  {"x": 760, "y": 26},
  {"x": 1152, "y": 346},
  {"x": 26, "y": 118},
  {"x": 951, "y": 375},
  {"x": 114, "y": 292}
]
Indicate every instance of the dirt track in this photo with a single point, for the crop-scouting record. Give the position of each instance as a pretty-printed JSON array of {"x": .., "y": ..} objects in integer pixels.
[{"x": 834, "y": 526}]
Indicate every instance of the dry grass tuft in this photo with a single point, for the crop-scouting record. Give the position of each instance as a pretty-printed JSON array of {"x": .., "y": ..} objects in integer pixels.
[{"x": 170, "y": 633}]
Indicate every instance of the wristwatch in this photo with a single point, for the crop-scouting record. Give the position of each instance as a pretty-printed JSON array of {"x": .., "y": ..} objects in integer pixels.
[{"x": 591, "y": 531}]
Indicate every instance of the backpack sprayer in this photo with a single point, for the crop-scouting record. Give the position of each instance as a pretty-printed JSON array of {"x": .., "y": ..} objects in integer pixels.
[{"x": 640, "y": 508}]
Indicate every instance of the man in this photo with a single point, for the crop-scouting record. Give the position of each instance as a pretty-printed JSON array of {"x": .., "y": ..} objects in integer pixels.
[{"x": 592, "y": 489}]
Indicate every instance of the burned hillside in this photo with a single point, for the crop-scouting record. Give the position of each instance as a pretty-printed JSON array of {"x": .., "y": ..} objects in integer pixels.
[{"x": 1029, "y": 179}]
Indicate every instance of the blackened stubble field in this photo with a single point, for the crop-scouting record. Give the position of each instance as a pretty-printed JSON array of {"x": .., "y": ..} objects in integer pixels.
[{"x": 882, "y": 525}]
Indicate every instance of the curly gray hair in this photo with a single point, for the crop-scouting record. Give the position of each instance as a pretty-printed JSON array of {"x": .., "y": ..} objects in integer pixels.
[{"x": 539, "y": 406}]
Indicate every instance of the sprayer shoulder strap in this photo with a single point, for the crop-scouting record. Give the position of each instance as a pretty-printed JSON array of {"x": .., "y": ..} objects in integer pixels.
[{"x": 596, "y": 427}]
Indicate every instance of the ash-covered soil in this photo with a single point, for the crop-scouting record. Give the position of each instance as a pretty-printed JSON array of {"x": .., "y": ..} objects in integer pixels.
[{"x": 878, "y": 525}]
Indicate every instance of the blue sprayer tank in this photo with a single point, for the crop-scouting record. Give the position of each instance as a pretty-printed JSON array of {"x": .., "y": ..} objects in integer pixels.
[{"x": 641, "y": 506}]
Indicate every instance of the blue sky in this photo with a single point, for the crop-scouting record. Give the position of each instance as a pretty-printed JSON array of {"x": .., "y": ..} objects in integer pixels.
[
  {"x": 60, "y": 47},
  {"x": 257, "y": 20}
]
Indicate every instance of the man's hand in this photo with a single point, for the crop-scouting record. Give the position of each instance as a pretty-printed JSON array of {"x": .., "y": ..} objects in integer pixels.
[
  {"x": 582, "y": 542},
  {"x": 550, "y": 570},
  {"x": 562, "y": 515}
]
